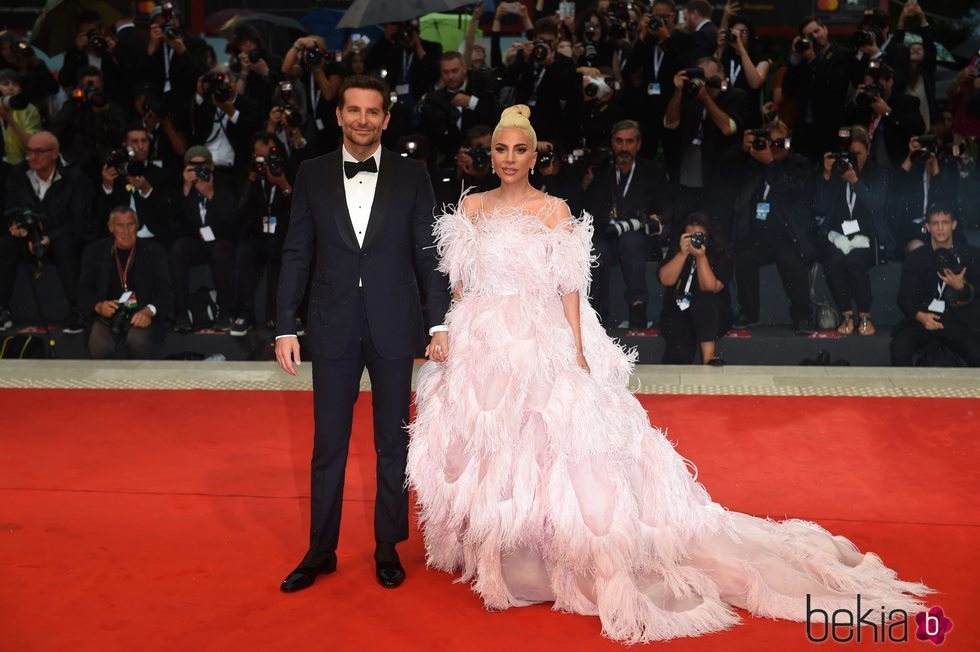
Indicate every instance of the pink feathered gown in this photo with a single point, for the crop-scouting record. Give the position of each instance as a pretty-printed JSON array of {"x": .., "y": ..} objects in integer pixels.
[{"x": 538, "y": 482}]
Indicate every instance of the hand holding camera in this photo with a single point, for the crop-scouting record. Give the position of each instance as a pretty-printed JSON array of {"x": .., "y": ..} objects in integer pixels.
[{"x": 803, "y": 46}]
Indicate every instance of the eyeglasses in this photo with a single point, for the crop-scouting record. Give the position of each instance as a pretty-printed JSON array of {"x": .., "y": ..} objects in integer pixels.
[{"x": 31, "y": 151}]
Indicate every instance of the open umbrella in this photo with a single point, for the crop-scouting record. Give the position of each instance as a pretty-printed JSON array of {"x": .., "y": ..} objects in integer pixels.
[
  {"x": 57, "y": 26},
  {"x": 323, "y": 22},
  {"x": 373, "y": 12},
  {"x": 277, "y": 32},
  {"x": 448, "y": 30}
]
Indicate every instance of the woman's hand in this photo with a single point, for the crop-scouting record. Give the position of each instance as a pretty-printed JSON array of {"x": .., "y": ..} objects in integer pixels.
[
  {"x": 686, "y": 248},
  {"x": 583, "y": 363}
]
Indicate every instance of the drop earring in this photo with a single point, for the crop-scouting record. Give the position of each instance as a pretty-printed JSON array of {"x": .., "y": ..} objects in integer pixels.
[
  {"x": 532, "y": 172},
  {"x": 492, "y": 171}
]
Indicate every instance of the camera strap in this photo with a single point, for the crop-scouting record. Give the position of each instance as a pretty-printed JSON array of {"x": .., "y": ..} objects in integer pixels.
[
  {"x": 735, "y": 71},
  {"x": 124, "y": 271},
  {"x": 684, "y": 301},
  {"x": 629, "y": 180}
]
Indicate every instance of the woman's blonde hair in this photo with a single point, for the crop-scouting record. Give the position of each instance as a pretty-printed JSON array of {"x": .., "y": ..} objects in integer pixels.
[{"x": 517, "y": 116}]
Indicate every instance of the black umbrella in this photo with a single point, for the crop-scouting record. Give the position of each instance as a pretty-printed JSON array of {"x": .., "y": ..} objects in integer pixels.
[
  {"x": 57, "y": 26},
  {"x": 374, "y": 12},
  {"x": 277, "y": 32}
]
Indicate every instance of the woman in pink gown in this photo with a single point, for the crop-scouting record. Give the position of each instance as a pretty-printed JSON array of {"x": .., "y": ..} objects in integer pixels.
[{"x": 538, "y": 474}]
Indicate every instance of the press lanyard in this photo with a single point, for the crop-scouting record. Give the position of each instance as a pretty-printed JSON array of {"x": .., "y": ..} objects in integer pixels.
[
  {"x": 736, "y": 71},
  {"x": 940, "y": 288},
  {"x": 658, "y": 59},
  {"x": 202, "y": 206},
  {"x": 537, "y": 82},
  {"x": 765, "y": 193},
  {"x": 629, "y": 179},
  {"x": 407, "y": 59},
  {"x": 690, "y": 276},
  {"x": 851, "y": 198},
  {"x": 925, "y": 189},
  {"x": 314, "y": 92},
  {"x": 168, "y": 55},
  {"x": 124, "y": 272}
]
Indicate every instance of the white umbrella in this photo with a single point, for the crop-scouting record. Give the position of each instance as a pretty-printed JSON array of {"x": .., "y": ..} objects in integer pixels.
[{"x": 374, "y": 12}]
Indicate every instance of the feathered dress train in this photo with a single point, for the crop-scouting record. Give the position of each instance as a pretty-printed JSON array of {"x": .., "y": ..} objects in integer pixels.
[{"x": 539, "y": 482}]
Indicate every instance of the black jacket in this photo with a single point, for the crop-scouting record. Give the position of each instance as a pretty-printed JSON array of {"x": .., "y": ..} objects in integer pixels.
[
  {"x": 86, "y": 137},
  {"x": 678, "y": 54},
  {"x": 239, "y": 132},
  {"x": 790, "y": 201},
  {"x": 156, "y": 212},
  {"x": 148, "y": 278},
  {"x": 822, "y": 86},
  {"x": 398, "y": 243},
  {"x": 714, "y": 143},
  {"x": 903, "y": 122},
  {"x": 648, "y": 192},
  {"x": 184, "y": 69},
  {"x": 919, "y": 283},
  {"x": 556, "y": 103},
  {"x": 66, "y": 207},
  {"x": 422, "y": 74},
  {"x": 440, "y": 117},
  {"x": 871, "y": 192},
  {"x": 255, "y": 206},
  {"x": 221, "y": 215}
]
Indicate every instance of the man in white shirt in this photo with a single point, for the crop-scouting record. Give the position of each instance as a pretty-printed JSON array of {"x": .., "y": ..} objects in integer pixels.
[{"x": 366, "y": 215}]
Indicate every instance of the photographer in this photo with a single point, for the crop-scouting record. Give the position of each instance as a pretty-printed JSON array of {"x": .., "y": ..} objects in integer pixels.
[
  {"x": 87, "y": 124},
  {"x": 286, "y": 120},
  {"x": 553, "y": 176},
  {"x": 464, "y": 101},
  {"x": 176, "y": 60},
  {"x": 774, "y": 223},
  {"x": 48, "y": 214},
  {"x": 597, "y": 47},
  {"x": 260, "y": 69},
  {"x": 412, "y": 64},
  {"x": 707, "y": 115},
  {"x": 937, "y": 294},
  {"x": 923, "y": 60},
  {"x": 125, "y": 285},
  {"x": 93, "y": 48},
  {"x": 19, "y": 120},
  {"x": 851, "y": 193},
  {"x": 661, "y": 51},
  {"x": 546, "y": 80},
  {"x": 305, "y": 63},
  {"x": 264, "y": 220},
  {"x": 891, "y": 118},
  {"x": 697, "y": 15},
  {"x": 628, "y": 200},
  {"x": 130, "y": 179},
  {"x": 36, "y": 81},
  {"x": 738, "y": 51},
  {"x": 167, "y": 134},
  {"x": 209, "y": 230},
  {"x": 473, "y": 167},
  {"x": 817, "y": 76},
  {"x": 928, "y": 174},
  {"x": 697, "y": 306},
  {"x": 224, "y": 121},
  {"x": 601, "y": 109},
  {"x": 873, "y": 42}
]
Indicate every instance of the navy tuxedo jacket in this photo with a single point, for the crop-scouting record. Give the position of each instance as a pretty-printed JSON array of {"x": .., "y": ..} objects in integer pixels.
[{"x": 398, "y": 243}]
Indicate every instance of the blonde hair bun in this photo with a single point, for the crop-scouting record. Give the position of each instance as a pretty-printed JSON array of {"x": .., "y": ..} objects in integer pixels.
[{"x": 517, "y": 116}]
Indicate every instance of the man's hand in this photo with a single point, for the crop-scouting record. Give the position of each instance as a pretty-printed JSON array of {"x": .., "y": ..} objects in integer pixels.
[
  {"x": 190, "y": 176},
  {"x": 680, "y": 79},
  {"x": 438, "y": 348},
  {"x": 109, "y": 176},
  {"x": 140, "y": 183},
  {"x": 880, "y": 106},
  {"x": 17, "y": 232},
  {"x": 287, "y": 352},
  {"x": 461, "y": 100},
  {"x": 464, "y": 162},
  {"x": 142, "y": 318},
  {"x": 930, "y": 320},
  {"x": 851, "y": 175},
  {"x": 45, "y": 241},
  {"x": 107, "y": 308},
  {"x": 686, "y": 247},
  {"x": 955, "y": 281}
]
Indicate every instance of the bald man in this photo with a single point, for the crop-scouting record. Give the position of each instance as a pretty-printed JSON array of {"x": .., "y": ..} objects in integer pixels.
[{"x": 60, "y": 200}]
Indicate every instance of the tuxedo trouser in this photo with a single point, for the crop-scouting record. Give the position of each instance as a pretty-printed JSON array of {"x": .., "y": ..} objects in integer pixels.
[{"x": 336, "y": 385}]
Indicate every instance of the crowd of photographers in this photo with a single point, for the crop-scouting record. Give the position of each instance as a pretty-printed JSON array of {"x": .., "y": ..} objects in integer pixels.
[{"x": 677, "y": 134}]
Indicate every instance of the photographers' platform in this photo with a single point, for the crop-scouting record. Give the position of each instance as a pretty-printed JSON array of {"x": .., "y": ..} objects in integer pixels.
[{"x": 157, "y": 505}]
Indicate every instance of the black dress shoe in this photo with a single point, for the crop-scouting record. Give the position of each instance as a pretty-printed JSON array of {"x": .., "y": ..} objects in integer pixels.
[
  {"x": 387, "y": 566},
  {"x": 638, "y": 316},
  {"x": 303, "y": 576},
  {"x": 744, "y": 321}
]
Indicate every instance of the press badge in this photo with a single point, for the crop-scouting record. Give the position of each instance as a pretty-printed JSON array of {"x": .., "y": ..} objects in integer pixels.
[
  {"x": 402, "y": 89},
  {"x": 653, "y": 88},
  {"x": 319, "y": 124},
  {"x": 126, "y": 296},
  {"x": 762, "y": 210},
  {"x": 684, "y": 303},
  {"x": 937, "y": 305},
  {"x": 269, "y": 224},
  {"x": 206, "y": 234},
  {"x": 850, "y": 227}
]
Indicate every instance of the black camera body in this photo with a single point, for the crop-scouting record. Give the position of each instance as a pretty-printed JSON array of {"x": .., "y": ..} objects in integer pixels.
[
  {"x": 405, "y": 35},
  {"x": 14, "y": 102},
  {"x": 99, "y": 43},
  {"x": 546, "y": 158},
  {"x": 948, "y": 259},
  {"x": 802, "y": 45},
  {"x": 203, "y": 172},
  {"x": 540, "y": 51},
  {"x": 254, "y": 55},
  {"x": 656, "y": 22},
  {"x": 217, "y": 86},
  {"x": 864, "y": 37},
  {"x": 34, "y": 225},
  {"x": 871, "y": 92},
  {"x": 120, "y": 321},
  {"x": 90, "y": 96},
  {"x": 699, "y": 240},
  {"x": 760, "y": 139},
  {"x": 23, "y": 50},
  {"x": 313, "y": 56},
  {"x": 480, "y": 157},
  {"x": 730, "y": 37},
  {"x": 123, "y": 160},
  {"x": 272, "y": 162},
  {"x": 292, "y": 115},
  {"x": 842, "y": 161},
  {"x": 927, "y": 147}
]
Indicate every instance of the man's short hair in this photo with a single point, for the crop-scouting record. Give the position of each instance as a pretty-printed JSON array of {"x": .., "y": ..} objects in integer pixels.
[
  {"x": 134, "y": 126},
  {"x": 623, "y": 125},
  {"x": 268, "y": 138},
  {"x": 701, "y": 7},
  {"x": 714, "y": 60},
  {"x": 451, "y": 56},
  {"x": 545, "y": 26},
  {"x": 367, "y": 83},
  {"x": 87, "y": 71},
  {"x": 477, "y": 131},
  {"x": 665, "y": 3},
  {"x": 123, "y": 208},
  {"x": 940, "y": 208},
  {"x": 807, "y": 20},
  {"x": 10, "y": 75},
  {"x": 780, "y": 125}
]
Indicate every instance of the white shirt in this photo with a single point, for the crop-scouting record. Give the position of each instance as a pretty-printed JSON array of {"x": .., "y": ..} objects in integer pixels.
[
  {"x": 41, "y": 186},
  {"x": 360, "y": 194},
  {"x": 222, "y": 153}
]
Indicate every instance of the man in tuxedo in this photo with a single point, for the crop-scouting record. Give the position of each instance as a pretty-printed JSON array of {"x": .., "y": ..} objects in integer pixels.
[
  {"x": 698, "y": 23},
  {"x": 366, "y": 215}
]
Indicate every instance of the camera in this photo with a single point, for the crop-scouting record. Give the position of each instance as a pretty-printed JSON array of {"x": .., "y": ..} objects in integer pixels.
[
  {"x": 656, "y": 22},
  {"x": 698, "y": 239},
  {"x": 313, "y": 56},
  {"x": 760, "y": 139},
  {"x": 32, "y": 223},
  {"x": 292, "y": 115},
  {"x": 591, "y": 53},
  {"x": 123, "y": 160},
  {"x": 842, "y": 161},
  {"x": 254, "y": 55},
  {"x": 170, "y": 30},
  {"x": 546, "y": 159},
  {"x": 802, "y": 45},
  {"x": 203, "y": 173},
  {"x": 864, "y": 37},
  {"x": 120, "y": 321},
  {"x": 866, "y": 98},
  {"x": 14, "y": 102},
  {"x": 948, "y": 259},
  {"x": 91, "y": 95},
  {"x": 540, "y": 51},
  {"x": 98, "y": 42},
  {"x": 927, "y": 147},
  {"x": 217, "y": 86},
  {"x": 23, "y": 51},
  {"x": 617, "y": 228},
  {"x": 590, "y": 29},
  {"x": 481, "y": 158},
  {"x": 730, "y": 37},
  {"x": 406, "y": 34},
  {"x": 271, "y": 162}
]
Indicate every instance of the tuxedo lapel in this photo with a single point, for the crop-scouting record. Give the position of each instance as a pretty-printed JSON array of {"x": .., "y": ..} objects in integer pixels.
[
  {"x": 335, "y": 181},
  {"x": 382, "y": 191}
]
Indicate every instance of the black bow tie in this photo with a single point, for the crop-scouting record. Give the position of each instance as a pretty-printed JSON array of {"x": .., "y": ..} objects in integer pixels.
[{"x": 351, "y": 168}]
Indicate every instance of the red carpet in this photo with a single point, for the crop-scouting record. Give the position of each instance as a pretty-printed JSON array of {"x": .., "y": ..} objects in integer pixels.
[{"x": 165, "y": 520}]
